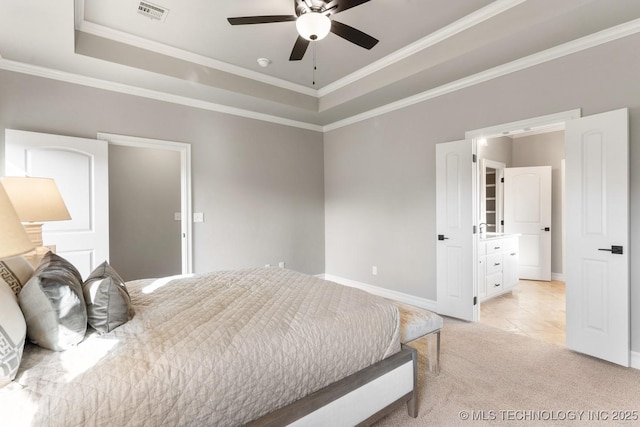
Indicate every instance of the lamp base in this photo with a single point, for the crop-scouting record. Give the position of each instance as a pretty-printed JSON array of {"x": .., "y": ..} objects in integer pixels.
[{"x": 34, "y": 231}]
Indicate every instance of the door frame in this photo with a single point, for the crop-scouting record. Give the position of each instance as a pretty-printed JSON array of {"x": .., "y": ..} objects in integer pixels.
[
  {"x": 184, "y": 150},
  {"x": 506, "y": 129}
]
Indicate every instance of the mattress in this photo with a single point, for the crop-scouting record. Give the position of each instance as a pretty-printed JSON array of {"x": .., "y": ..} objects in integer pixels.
[{"x": 218, "y": 349}]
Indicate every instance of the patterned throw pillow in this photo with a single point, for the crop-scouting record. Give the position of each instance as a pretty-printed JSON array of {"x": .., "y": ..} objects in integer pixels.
[
  {"x": 15, "y": 272},
  {"x": 107, "y": 299},
  {"x": 12, "y": 335},
  {"x": 53, "y": 304}
]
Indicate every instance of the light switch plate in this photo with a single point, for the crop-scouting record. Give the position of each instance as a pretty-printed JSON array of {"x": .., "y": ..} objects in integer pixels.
[{"x": 198, "y": 217}]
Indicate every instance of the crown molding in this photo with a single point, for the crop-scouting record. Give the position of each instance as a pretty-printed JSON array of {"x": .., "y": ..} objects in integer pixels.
[
  {"x": 469, "y": 21},
  {"x": 574, "y": 46},
  {"x": 593, "y": 40},
  {"x": 67, "y": 77}
]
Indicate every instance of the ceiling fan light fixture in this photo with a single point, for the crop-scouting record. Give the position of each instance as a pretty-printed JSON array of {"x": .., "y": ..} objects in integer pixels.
[{"x": 313, "y": 26}]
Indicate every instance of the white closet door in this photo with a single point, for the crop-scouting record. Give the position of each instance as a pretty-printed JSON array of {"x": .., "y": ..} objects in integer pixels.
[
  {"x": 80, "y": 168},
  {"x": 527, "y": 212}
]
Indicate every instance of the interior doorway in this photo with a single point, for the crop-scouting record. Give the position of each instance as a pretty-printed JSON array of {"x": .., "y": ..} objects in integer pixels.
[
  {"x": 597, "y": 203},
  {"x": 153, "y": 179},
  {"x": 535, "y": 308}
]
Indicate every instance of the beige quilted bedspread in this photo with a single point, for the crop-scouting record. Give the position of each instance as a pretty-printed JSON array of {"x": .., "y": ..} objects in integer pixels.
[{"x": 209, "y": 350}]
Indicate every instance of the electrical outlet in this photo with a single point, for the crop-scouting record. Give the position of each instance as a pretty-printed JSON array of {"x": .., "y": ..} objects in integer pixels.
[
  {"x": 281, "y": 264},
  {"x": 374, "y": 270},
  {"x": 267, "y": 265},
  {"x": 198, "y": 217},
  {"x": 177, "y": 216}
]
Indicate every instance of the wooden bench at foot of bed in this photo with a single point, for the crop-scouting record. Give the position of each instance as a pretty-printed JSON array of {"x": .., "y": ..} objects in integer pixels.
[{"x": 416, "y": 322}]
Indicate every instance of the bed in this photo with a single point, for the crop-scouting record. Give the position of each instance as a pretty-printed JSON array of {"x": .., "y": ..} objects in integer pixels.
[{"x": 264, "y": 346}]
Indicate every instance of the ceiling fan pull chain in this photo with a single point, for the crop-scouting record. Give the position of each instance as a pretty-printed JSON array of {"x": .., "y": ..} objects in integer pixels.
[{"x": 314, "y": 64}]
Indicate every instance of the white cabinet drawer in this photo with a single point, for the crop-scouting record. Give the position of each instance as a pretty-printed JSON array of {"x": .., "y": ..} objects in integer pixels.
[
  {"x": 494, "y": 283},
  {"x": 495, "y": 245},
  {"x": 494, "y": 263}
]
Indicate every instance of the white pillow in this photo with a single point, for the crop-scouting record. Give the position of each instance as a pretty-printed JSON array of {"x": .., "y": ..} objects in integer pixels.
[
  {"x": 13, "y": 330},
  {"x": 15, "y": 272}
]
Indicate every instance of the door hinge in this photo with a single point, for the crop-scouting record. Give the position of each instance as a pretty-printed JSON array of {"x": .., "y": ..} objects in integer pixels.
[
  {"x": 502, "y": 180},
  {"x": 474, "y": 229},
  {"x": 474, "y": 159},
  {"x": 502, "y": 222},
  {"x": 475, "y": 300}
]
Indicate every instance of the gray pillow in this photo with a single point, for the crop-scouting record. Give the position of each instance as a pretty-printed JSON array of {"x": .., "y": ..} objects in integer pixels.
[
  {"x": 107, "y": 299},
  {"x": 53, "y": 304}
]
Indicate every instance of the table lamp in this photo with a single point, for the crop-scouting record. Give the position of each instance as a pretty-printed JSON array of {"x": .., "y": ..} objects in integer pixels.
[
  {"x": 36, "y": 200},
  {"x": 13, "y": 239}
]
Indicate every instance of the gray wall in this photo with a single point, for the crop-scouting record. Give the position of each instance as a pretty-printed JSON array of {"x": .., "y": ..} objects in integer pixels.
[
  {"x": 499, "y": 149},
  {"x": 380, "y": 173},
  {"x": 144, "y": 194},
  {"x": 260, "y": 185},
  {"x": 546, "y": 149}
]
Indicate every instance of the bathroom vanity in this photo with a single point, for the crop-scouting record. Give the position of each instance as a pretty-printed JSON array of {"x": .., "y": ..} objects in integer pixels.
[{"x": 497, "y": 264}]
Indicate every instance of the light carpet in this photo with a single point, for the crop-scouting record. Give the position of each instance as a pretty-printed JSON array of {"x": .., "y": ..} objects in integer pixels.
[{"x": 492, "y": 377}]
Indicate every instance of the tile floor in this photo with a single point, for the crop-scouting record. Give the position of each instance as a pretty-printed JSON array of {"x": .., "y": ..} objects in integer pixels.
[{"x": 536, "y": 309}]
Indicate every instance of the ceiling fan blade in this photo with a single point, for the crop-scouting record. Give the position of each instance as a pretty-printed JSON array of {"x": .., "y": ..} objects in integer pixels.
[
  {"x": 246, "y": 20},
  {"x": 299, "y": 49},
  {"x": 345, "y": 4},
  {"x": 354, "y": 36}
]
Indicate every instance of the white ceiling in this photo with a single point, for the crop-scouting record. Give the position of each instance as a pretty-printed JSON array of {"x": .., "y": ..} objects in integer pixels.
[{"x": 195, "y": 57}]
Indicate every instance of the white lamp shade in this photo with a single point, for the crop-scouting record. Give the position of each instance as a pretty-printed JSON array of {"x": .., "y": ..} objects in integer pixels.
[
  {"x": 35, "y": 199},
  {"x": 13, "y": 239},
  {"x": 313, "y": 25}
]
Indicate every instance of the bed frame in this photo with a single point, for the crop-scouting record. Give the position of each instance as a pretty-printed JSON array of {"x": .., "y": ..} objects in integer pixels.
[{"x": 359, "y": 399}]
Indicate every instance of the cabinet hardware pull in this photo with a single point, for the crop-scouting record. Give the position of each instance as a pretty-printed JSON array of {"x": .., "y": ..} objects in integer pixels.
[
  {"x": 496, "y": 285},
  {"x": 496, "y": 263},
  {"x": 442, "y": 237},
  {"x": 496, "y": 247},
  {"x": 513, "y": 253}
]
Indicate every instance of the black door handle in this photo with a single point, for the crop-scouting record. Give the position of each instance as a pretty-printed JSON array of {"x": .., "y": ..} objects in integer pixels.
[
  {"x": 614, "y": 250},
  {"x": 546, "y": 229},
  {"x": 441, "y": 237}
]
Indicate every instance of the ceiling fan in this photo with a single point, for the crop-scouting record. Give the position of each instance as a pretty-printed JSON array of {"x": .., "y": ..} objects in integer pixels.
[{"x": 313, "y": 23}]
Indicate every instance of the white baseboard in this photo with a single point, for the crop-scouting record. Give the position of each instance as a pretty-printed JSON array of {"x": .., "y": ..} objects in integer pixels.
[
  {"x": 383, "y": 292},
  {"x": 557, "y": 276},
  {"x": 635, "y": 360}
]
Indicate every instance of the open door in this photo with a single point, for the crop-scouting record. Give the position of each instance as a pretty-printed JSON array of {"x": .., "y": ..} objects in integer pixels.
[
  {"x": 455, "y": 207},
  {"x": 527, "y": 212},
  {"x": 80, "y": 168},
  {"x": 597, "y": 236}
]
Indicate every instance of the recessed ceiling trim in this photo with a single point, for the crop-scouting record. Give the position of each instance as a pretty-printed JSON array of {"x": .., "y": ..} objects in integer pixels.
[
  {"x": 593, "y": 40},
  {"x": 462, "y": 24},
  {"x": 119, "y": 36},
  {"x": 64, "y": 76},
  {"x": 574, "y": 46}
]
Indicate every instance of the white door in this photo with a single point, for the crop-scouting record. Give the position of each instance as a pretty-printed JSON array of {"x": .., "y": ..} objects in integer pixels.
[
  {"x": 527, "y": 211},
  {"x": 597, "y": 231},
  {"x": 455, "y": 207},
  {"x": 80, "y": 168}
]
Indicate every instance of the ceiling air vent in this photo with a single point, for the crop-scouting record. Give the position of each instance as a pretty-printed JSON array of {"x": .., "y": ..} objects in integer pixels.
[{"x": 153, "y": 11}]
